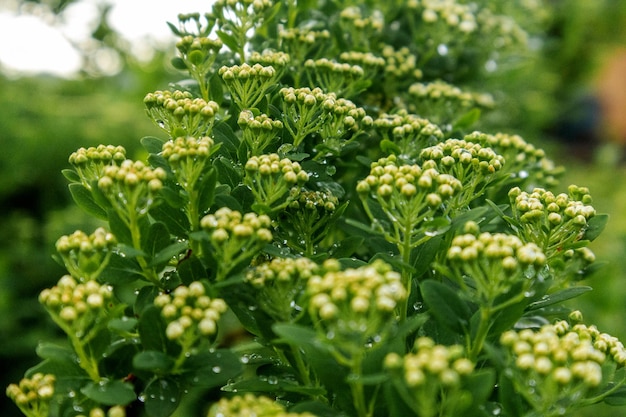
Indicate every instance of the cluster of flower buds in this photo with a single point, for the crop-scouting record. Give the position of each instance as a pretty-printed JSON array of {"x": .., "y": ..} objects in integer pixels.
[
  {"x": 370, "y": 63},
  {"x": 281, "y": 284},
  {"x": 408, "y": 133},
  {"x": 494, "y": 262},
  {"x": 523, "y": 160},
  {"x": 270, "y": 177},
  {"x": 444, "y": 102},
  {"x": 425, "y": 374},
  {"x": 501, "y": 30},
  {"x": 192, "y": 24},
  {"x": 472, "y": 164},
  {"x": 308, "y": 219},
  {"x": 198, "y": 52},
  {"x": 354, "y": 16},
  {"x": 354, "y": 306},
  {"x": 456, "y": 16},
  {"x": 235, "y": 237},
  {"x": 269, "y": 57},
  {"x": 187, "y": 156},
  {"x": 258, "y": 131},
  {"x": 256, "y": 6},
  {"x": 408, "y": 194},
  {"x": 76, "y": 305},
  {"x": 250, "y": 405},
  {"x": 299, "y": 42},
  {"x": 85, "y": 256},
  {"x": 90, "y": 162},
  {"x": 559, "y": 364},
  {"x": 552, "y": 221},
  {"x": 115, "y": 411},
  {"x": 340, "y": 78},
  {"x": 401, "y": 64},
  {"x": 342, "y": 119},
  {"x": 361, "y": 28},
  {"x": 178, "y": 113},
  {"x": 33, "y": 394},
  {"x": 248, "y": 84},
  {"x": 131, "y": 186},
  {"x": 190, "y": 313},
  {"x": 302, "y": 108}
]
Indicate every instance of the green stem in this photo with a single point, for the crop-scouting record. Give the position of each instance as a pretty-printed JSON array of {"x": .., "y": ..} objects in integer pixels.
[
  {"x": 405, "y": 252},
  {"x": 481, "y": 333}
]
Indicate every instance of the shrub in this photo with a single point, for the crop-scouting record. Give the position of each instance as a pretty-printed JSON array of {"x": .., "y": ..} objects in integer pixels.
[{"x": 323, "y": 232}]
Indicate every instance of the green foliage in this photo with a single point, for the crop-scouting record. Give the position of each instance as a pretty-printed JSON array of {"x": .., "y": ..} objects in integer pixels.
[{"x": 378, "y": 257}]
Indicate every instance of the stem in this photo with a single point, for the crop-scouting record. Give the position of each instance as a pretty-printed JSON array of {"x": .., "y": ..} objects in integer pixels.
[
  {"x": 356, "y": 388},
  {"x": 481, "y": 333},
  {"x": 405, "y": 252}
]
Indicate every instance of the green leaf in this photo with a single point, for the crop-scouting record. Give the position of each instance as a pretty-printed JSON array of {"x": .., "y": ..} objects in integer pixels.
[
  {"x": 152, "y": 144},
  {"x": 512, "y": 403},
  {"x": 121, "y": 270},
  {"x": 271, "y": 384},
  {"x": 174, "y": 219},
  {"x": 84, "y": 199},
  {"x": 229, "y": 40},
  {"x": 446, "y": 306},
  {"x": 480, "y": 384},
  {"x": 174, "y": 29},
  {"x": 346, "y": 247},
  {"x": 173, "y": 197},
  {"x": 559, "y": 297},
  {"x": 162, "y": 397},
  {"x": 145, "y": 300},
  {"x": 389, "y": 147},
  {"x": 178, "y": 63},
  {"x": 123, "y": 324},
  {"x": 113, "y": 392},
  {"x": 617, "y": 397},
  {"x": 207, "y": 189},
  {"x": 423, "y": 255},
  {"x": 317, "y": 408},
  {"x": 224, "y": 134},
  {"x": 70, "y": 175},
  {"x": 46, "y": 350},
  {"x": 595, "y": 226},
  {"x": 211, "y": 368},
  {"x": 152, "y": 329},
  {"x": 119, "y": 228},
  {"x": 466, "y": 120},
  {"x": 226, "y": 172},
  {"x": 225, "y": 200},
  {"x": 157, "y": 238},
  {"x": 169, "y": 252},
  {"x": 190, "y": 270},
  {"x": 153, "y": 361}
]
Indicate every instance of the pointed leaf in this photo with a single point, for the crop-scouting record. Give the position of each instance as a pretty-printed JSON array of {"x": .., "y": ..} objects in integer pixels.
[
  {"x": 113, "y": 392},
  {"x": 446, "y": 306},
  {"x": 169, "y": 252},
  {"x": 157, "y": 238},
  {"x": 162, "y": 397},
  {"x": 467, "y": 120},
  {"x": 152, "y": 144},
  {"x": 558, "y": 297},
  {"x": 84, "y": 199},
  {"x": 595, "y": 226},
  {"x": 211, "y": 369},
  {"x": 153, "y": 361},
  {"x": 207, "y": 190},
  {"x": 71, "y": 175},
  {"x": 174, "y": 219}
]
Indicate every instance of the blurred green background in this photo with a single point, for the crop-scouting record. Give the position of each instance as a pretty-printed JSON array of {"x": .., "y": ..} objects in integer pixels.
[{"x": 564, "y": 98}]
